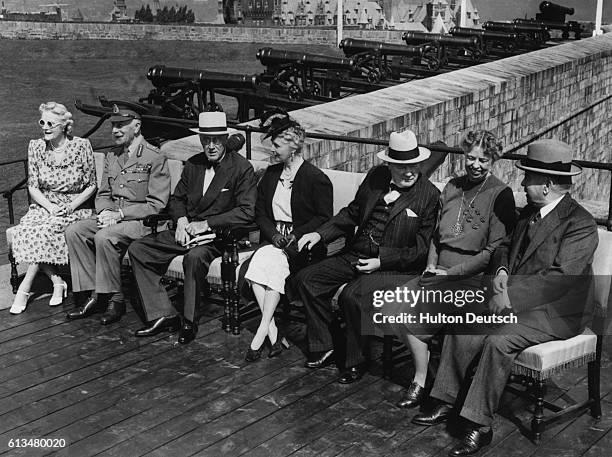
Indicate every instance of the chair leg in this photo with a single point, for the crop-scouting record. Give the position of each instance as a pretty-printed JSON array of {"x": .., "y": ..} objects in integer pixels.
[
  {"x": 235, "y": 303},
  {"x": 594, "y": 389},
  {"x": 226, "y": 292},
  {"x": 537, "y": 422},
  {"x": 387, "y": 356},
  {"x": 14, "y": 274}
]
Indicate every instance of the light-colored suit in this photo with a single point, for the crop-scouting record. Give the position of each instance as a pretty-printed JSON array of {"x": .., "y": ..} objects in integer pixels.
[{"x": 138, "y": 186}]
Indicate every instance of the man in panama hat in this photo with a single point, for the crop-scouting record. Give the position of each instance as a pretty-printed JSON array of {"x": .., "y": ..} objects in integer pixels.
[
  {"x": 389, "y": 225},
  {"x": 217, "y": 189},
  {"x": 542, "y": 277}
]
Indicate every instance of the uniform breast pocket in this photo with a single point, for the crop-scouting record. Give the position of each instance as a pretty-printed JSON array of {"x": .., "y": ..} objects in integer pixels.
[{"x": 139, "y": 183}]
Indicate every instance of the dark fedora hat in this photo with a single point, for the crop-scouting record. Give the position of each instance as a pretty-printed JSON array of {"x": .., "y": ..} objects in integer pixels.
[{"x": 549, "y": 157}]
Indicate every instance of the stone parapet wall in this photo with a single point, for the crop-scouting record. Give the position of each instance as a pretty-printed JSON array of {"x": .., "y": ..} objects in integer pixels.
[
  {"x": 113, "y": 31},
  {"x": 518, "y": 98}
]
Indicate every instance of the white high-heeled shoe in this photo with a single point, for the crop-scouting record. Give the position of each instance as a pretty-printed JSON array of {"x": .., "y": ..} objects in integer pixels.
[
  {"x": 60, "y": 291},
  {"x": 20, "y": 302}
]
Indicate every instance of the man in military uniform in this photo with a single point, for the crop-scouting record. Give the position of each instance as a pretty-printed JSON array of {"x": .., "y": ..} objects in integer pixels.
[{"x": 135, "y": 184}]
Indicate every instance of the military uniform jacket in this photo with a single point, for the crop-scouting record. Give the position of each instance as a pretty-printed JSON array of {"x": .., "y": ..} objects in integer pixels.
[{"x": 138, "y": 185}]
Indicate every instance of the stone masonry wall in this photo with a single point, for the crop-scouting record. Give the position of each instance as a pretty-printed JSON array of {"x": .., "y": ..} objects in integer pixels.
[
  {"x": 518, "y": 98},
  {"x": 113, "y": 31}
]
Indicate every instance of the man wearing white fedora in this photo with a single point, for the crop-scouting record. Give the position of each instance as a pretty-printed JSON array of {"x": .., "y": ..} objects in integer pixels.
[
  {"x": 389, "y": 225},
  {"x": 542, "y": 276},
  {"x": 217, "y": 189}
]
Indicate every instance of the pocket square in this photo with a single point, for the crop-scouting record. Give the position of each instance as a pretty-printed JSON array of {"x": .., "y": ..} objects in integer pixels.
[
  {"x": 411, "y": 213},
  {"x": 225, "y": 190}
]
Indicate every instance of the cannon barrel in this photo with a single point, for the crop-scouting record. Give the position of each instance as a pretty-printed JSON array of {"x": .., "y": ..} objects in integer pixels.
[
  {"x": 272, "y": 57},
  {"x": 512, "y": 27},
  {"x": 161, "y": 76},
  {"x": 549, "y": 7},
  {"x": 486, "y": 35},
  {"x": 351, "y": 46},
  {"x": 551, "y": 25},
  {"x": 443, "y": 39}
]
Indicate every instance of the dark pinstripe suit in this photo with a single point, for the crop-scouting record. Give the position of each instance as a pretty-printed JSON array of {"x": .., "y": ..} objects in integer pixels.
[{"x": 403, "y": 248}]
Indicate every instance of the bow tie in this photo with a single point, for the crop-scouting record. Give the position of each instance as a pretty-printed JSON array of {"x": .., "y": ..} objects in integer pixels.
[
  {"x": 395, "y": 187},
  {"x": 213, "y": 165}
]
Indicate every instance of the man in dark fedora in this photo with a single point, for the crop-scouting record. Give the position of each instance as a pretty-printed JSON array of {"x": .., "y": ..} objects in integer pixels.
[
  {"x": 542, "y": 277},
  {"x": 217, "y": 189},
  {"x": 135, "y": 183},
  {"x": 389, "y": 225}
]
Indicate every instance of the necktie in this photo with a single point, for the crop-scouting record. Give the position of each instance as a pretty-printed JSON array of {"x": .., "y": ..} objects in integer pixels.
[{"x": 530, "y": 230}]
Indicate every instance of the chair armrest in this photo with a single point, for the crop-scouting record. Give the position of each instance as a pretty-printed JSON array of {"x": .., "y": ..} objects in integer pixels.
[
  {"x": 235, "y": 232},
  {"x": 153, "y": 219}
]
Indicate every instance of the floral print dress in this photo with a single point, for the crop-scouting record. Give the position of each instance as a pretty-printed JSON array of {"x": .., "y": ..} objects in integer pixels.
[{"x": 39, "y": 237}]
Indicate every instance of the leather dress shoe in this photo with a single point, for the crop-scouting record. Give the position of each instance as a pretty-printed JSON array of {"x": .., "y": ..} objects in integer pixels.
[
  {"x": 188, "y": 332},
  {"x": 114, "y": 311},
  {"x": 90, "y": 307},
  {"x": 277, "y": 348},
  {"x": 438, "y": 414},
  {"x": 253, "y": 355},
  {"x": 352, "y": 375},
  {"x": 473, "y": 441},
  {"x": 320, "y": 359},
  {"x": 165, "y": 323},
  {"x": 413, "y": 396}
]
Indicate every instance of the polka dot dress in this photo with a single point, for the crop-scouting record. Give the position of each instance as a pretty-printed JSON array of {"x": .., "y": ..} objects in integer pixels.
[{"x": 39, "y": 237}]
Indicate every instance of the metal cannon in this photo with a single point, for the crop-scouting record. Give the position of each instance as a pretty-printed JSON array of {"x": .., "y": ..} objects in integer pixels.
[
  {"x": 162, "y": 76},
  {"x": 553, "y": 12},
  {"x": 372, "y": 57},
  {"x": 531, "y": 34},
  {"x": 301, "y": 75},
  {"x": 184, "y": 93},
  {"x": 504, "y": 40},
  {"x": 565, "y": 27},
  {"x": 277, "y": 57},
  {"x": 469, "y": 46}
]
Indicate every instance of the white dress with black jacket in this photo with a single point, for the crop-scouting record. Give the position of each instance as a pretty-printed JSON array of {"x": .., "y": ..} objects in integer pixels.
[{"x": 269, "y": 265}]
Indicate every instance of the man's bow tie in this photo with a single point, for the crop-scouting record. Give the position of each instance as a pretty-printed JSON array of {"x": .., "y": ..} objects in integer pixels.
[
  {"x": 213, "y": 165},
  {"x": 395, "y": 187}
]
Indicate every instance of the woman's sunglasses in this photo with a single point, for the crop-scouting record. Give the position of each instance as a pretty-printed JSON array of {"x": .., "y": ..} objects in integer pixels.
[{"x": 48, "y": 124}]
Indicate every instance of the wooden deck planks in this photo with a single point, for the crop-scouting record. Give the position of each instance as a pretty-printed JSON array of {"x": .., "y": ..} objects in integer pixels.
[{"x": 110, "y": 394}]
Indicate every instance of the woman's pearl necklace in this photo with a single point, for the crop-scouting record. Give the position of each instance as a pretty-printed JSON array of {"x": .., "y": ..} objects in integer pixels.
[{"x": 58, "y": 148}]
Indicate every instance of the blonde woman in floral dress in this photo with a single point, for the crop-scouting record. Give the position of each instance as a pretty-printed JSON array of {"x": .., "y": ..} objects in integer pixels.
[{"x": 61, "y": 180}]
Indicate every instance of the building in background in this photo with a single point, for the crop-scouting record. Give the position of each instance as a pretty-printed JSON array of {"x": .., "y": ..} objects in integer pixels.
[
  {"x": 53, "y": 14},
  {"x": 119, "y": 12},
  {"x": 437, "y": 16}
]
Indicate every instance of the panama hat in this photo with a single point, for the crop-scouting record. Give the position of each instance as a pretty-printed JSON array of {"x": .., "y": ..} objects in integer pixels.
[
  {"x": 211, "y": 123},
  {"x": 403, "y": 148},
  {"x": 549, "y": 157}
]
